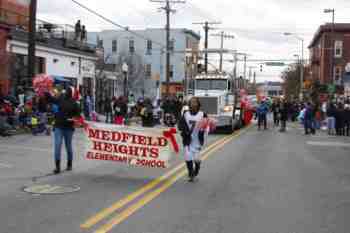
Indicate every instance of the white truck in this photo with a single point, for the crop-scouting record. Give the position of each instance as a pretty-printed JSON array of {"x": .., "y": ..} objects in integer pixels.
[{"x": 217, "y": 100}]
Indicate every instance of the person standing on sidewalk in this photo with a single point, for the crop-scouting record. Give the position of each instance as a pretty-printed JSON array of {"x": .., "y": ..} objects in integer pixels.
[
  {"x": 261, "y": 112},
  {"x": 64, "y": 128},
  {"x": 331, "y": 114},
  {"x": 275, "y": 108},
  {"x": 107, "y": 105},
  {"x": 308, "y": 119},
  {"x": 193, "y": 137},
  {"x": 340, "y": 120},
  {"x": 284, "y": 111},
  {"x": 347, "y": 119}
]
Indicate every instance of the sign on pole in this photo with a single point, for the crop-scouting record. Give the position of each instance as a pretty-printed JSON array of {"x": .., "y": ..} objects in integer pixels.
[{"x": 275, "y": 64}]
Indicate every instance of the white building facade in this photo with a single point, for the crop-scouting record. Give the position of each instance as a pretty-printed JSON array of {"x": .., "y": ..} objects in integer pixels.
[
  {"x": 74, "y": 65},
  {"x": 271, "y": 89},
  {"x": 146, "y": 57}
]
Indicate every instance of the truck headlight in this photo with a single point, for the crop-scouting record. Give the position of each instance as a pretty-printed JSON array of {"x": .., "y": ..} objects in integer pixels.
[{"x": 228, "y": 109}]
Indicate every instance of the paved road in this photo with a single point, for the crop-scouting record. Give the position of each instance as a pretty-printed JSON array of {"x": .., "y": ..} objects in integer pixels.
[{"x": 255, "y": 182}]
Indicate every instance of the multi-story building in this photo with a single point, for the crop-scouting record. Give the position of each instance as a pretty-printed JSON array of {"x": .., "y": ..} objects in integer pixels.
[
  {"x": 58, "y": 53},
  {"x": 330, "y": 47},
  {"x": 145, "y": 56},
  {"x": 271, "y": 89},
  {"x": 12, "y": 13}
]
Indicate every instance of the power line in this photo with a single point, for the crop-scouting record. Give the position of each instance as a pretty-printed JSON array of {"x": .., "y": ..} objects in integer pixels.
[
  {"x": 125, "y": 28},
  {"x": 223, "y": 36},
  {"x": 31, "y": 42}
]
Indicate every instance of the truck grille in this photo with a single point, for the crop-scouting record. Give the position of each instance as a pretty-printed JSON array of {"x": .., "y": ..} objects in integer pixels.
[{"x": 209, "y": 104}]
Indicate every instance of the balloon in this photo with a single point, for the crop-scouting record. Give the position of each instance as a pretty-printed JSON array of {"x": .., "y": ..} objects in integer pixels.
[{"x": 42, "y": 83}]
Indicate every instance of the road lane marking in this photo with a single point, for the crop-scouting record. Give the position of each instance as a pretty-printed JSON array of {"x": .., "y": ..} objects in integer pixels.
[
  {"x": 129, "y": 198},
  {"x": 6, "y": 165},
  {"x": 329, "y": 144},
  {"x": 152, "y": 195}
]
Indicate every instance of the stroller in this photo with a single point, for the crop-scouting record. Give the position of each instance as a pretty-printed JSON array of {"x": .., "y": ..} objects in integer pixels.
[{"x": 39, "y": 124}]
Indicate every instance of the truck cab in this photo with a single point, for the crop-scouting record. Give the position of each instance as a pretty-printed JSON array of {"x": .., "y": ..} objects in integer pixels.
[{"x": 217, "y": 99}]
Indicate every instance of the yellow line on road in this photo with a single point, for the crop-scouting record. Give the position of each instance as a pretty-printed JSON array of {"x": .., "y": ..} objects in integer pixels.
[
  {"x": 129, "y": 198},
  {"x": 150, "y": 196}
]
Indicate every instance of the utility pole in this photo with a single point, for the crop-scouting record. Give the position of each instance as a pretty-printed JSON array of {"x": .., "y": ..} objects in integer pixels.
[
  {"x": 245, "y": 67},
  {"x": 223, "y": 36},
  {"x": 250, "y": 72},
  {"x": 31, "y": 43},
  {"x": 167, "y": 8},
  {"x": 206, "y": 32}
]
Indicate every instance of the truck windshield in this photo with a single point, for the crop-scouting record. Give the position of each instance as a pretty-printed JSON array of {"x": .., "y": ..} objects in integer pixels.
[{"x": 208, "y": 84}]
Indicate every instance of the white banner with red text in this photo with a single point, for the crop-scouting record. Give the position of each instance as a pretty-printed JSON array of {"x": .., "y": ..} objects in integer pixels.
[{"x": 139, "y": 147}]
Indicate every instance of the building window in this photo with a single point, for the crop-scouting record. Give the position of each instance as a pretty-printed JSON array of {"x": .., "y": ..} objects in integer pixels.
[
  {"x": 188, "y": 43},
  {"x": 114, "y": 46},
  {"x": 171, "y": 71},
  {"x": 100, "y": 44},
  {"x": 338, "y": 48},
  {"x": 171, "y": 45},
  {"x": 149, "y": 47},
  {"x": 337, "y": 73},
  {"x": 148, "y": 70},
  {"x": 131, "y": 46}
]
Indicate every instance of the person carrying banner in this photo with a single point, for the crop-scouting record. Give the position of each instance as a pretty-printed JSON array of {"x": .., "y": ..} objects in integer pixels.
[
  {"x": 193, "y": 131},
  {"x": 64, "y": 128}
]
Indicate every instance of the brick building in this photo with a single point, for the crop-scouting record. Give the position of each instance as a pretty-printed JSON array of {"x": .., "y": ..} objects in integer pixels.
[
  {"x": 13, "y": 13},
  {"x": 323, "y": 54}
]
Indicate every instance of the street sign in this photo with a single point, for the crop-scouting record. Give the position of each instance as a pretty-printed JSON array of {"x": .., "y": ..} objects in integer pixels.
[
  {"x": 331, "y": 88},
  {"x": 275, "y": 64}
]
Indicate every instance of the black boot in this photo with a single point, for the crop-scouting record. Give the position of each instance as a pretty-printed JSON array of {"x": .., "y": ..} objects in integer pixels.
[
  {"x": 189, "y": 165},
  {"x": 197, "y": 168},
  {"x": 69, "y": 165},
  {"x": 58, "y": 167}
]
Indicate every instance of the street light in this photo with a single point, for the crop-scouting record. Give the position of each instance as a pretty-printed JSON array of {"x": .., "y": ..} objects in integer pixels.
[
  {"x": 332, "y": 41},
  {"x": 302, "y": 61},
  {"x": 125, "y": 69}
]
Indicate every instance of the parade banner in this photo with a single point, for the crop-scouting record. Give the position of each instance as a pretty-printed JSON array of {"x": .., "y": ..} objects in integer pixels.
[{"x": 139, "y": 147}]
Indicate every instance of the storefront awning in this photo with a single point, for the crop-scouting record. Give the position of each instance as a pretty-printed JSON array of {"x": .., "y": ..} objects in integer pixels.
[{"x": 60, "y": 79}]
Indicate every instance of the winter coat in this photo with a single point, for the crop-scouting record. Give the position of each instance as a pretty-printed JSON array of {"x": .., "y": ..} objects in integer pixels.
[
  {"x": 67, "y": 109},
  {"x": 262, "y": 109}
]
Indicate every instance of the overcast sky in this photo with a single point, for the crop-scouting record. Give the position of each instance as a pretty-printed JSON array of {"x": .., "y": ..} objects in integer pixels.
[{"x": 257, "y": 25}]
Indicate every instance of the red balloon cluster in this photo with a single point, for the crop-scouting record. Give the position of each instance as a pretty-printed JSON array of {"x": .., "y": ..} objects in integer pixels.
[
  {"x": 207, "y": 124},
  {"x": 42, "y": 83}
]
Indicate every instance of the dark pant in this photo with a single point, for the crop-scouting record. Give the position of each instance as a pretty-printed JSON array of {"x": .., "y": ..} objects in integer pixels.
[
  {"x": 347, "y": 128},
  {"x": 67, "y": 136},
  {"x": 276, "y": 119},
  {"x": 283, "y": 125},
  {"x": 309, "y": 126},
  {"x": 262, "y": 120}
]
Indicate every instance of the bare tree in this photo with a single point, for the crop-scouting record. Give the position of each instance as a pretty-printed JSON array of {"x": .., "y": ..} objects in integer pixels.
[{"x": 291, "y": 81}]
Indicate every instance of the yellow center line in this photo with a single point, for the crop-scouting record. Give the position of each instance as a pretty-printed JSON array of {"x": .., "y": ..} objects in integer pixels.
[
  {"x": 150, "y": 196},
  {"x": 129, "y": 198}
]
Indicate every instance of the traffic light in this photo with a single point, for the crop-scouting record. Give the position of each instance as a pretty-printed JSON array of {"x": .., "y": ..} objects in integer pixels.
[{"x": 261, "y": 68}]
